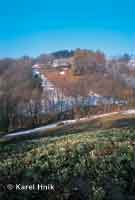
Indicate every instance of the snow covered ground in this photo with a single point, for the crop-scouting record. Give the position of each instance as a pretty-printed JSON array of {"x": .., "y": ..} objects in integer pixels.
[
  {"x": 66, "y": 122},
  {"x": 129, "y": 112}
]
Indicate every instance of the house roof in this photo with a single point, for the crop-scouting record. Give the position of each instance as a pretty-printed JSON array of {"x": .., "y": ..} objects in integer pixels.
[{"x": 36, "y": 66}]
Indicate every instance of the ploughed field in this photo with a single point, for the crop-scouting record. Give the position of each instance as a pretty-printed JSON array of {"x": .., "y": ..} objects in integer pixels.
[{"x": 95, "y": 164}]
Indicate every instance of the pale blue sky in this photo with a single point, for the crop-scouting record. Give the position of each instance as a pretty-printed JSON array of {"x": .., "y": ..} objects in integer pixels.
[{"x": 31, "y": 27}]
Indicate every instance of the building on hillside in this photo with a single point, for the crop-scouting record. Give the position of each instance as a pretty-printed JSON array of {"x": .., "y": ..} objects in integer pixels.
[
  {"x": 36, "y": 66},
  {"x": 62, "y": 62},
  {"x": 131, "y": 64},
  {"x": 36, "y": 71}
]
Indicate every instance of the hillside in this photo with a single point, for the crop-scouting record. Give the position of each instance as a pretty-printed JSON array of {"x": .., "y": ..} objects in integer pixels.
[{"x": 98, "y": 82}]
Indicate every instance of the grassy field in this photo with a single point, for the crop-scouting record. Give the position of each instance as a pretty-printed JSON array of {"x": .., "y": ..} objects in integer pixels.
[
  {"x": 99, "y": 163},
  {"x": 94, "y": 160}
]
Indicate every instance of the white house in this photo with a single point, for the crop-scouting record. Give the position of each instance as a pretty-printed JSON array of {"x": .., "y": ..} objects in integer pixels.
[
  {"x": 62, "y": 62},
  {"x": 131, "y": 64},
  {"x": 36, "y": 70}
]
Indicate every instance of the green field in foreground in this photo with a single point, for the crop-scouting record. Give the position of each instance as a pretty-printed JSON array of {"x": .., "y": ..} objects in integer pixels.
[{"x": 99, "y": 163}]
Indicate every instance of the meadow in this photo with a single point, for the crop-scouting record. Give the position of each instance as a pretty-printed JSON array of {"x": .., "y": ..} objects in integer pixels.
[{"x": 92, "y": 164}]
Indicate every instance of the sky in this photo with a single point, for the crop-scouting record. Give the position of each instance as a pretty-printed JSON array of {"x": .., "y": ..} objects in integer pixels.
[{"x": 33, "y": 27}]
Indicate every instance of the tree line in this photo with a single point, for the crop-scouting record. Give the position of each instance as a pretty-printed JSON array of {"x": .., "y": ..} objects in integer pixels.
[{"x": 23, "y": 104}]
